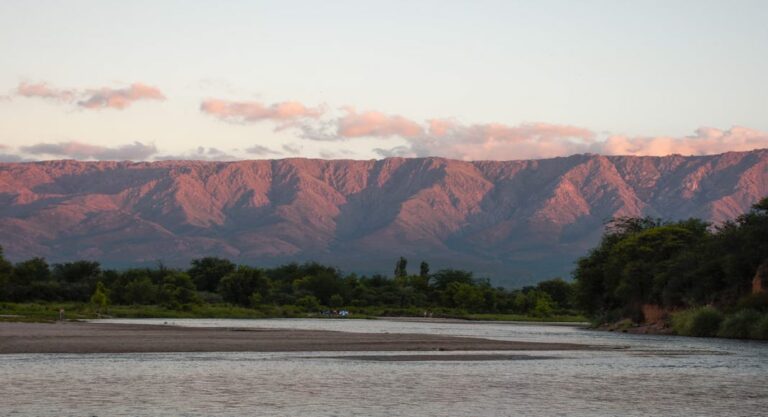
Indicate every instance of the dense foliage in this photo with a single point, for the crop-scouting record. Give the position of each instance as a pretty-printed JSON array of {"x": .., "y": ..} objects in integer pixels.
[
  {"x": 679, "y": 265},
  {"x": 310, "y": 287}
]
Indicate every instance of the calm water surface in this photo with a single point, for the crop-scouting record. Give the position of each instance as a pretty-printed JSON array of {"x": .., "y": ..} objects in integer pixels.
[{"x": 673, "y": 376}]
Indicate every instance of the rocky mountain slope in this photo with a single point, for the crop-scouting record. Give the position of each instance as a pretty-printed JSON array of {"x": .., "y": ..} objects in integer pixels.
[{"x": 514, "y": 221}]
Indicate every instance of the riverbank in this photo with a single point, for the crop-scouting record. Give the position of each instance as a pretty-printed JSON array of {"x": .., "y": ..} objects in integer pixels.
[
  {"x": 700, "y": 322},
  {"x": 49, "y": 312},
  {"x": 84, "y": 337}
]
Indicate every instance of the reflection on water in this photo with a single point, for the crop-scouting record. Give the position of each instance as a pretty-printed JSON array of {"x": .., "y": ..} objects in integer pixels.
[{"x": 654, "y": 376}]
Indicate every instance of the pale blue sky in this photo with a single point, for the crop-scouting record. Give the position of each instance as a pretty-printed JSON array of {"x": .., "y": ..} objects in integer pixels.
[{"x": 630, "y": 68}]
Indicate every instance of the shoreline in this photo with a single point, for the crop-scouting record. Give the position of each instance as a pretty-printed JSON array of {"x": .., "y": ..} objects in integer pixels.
[
  {"x": 461, "y": 320},
  {"x": 89, "y": 337}
]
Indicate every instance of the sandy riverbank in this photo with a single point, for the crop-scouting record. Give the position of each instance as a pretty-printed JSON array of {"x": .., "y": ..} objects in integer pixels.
[{"x": 82, "y": 337}]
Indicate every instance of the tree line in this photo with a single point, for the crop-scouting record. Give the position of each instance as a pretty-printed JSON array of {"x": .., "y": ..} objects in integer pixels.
[
  {"x": 310, "y": 287},
  {"x": 689, "y": 266}
]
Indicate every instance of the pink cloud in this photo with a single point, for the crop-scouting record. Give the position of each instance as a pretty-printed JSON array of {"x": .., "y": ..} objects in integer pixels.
[
  {"x": 80, "y": 150},
  {"x": 200, "y": 154},
  {"x": 493, "y": 141},
  {"x": 480, "y": 141},
  {"x": 705, "y": 141},
  {"x": 43, "y": 90},
  {"x": 373, "y": 123},
  {"x": 252, "y": 111},
  {"x": 452, "y": 139},
  {"x": 120, "y": 98},
  {"x": 101, "y": 98},
  {"x": 441, "y": 127}
]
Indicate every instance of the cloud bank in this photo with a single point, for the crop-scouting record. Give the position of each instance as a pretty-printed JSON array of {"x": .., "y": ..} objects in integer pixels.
[
  {"x": 452, "y": 138},
  {"x": 79, "y": 150},
  {"x": 389, "y": 135},
  {"x": 704, "y": 141},
  {"x": 109, "y": 98},
  {"x": 201, "y": 153},
  {"x": 8, "y": 157},
  {"x": 260, "y": 150},
  {"x": 43, "y": 90},
  {"x": 98, "y": 98},
  {"x": 253, "y": 111},
  {"x": 376, "y": 124}
]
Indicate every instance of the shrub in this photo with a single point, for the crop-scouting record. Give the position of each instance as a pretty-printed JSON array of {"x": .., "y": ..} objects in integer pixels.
[
  {"x": 705, "y": 322},
  {"x": 760, "y": 330},
  {"x": 309, "y": 303},
  {"x": 210, "y": 297},
  {"x": 699, "y": 322},
  {"x": 336, "y": 301},
  {"x": 758, "y": 302},
  {"x": 255, "y": 299},
  {"x": 739, "y": 325},
  {"x": 681, "y": 321}
]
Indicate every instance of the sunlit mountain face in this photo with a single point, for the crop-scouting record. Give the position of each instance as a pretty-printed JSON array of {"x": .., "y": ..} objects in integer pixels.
[{"x": 513, "y": 221}]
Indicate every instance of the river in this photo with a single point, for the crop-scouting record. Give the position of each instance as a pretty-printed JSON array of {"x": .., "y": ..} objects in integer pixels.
[{"x": 643, "y": 375}]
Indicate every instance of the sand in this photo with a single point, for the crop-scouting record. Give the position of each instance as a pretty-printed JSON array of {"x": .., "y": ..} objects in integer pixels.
[{"x": 84, "y": 337}]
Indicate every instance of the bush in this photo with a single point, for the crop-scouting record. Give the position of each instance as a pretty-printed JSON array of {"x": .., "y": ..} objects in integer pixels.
[
  {"x": 758, "y": 302},
  {"x": 210, "y": 297},
  {"x": 706, "y": 323},
  {"x": 700, "y": 322},
  {"x": 336, "y": 301},
  {"x": 309, "y": 303},
  {"x": 739, "y": 325},
  {"x": 681, "y": 321},
  {"x": 760, "y": 330}
]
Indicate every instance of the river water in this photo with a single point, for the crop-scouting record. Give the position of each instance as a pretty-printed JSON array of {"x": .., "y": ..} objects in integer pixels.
[{"x": 649, "y": 375}]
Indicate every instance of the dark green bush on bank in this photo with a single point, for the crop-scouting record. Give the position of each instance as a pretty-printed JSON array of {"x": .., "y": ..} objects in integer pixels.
[
  {"x": 741, "y": 325},
  {"x": 760, "y": 329},
  {"x": 700, "y": 322},
  {"x": 709, "y": 322}
]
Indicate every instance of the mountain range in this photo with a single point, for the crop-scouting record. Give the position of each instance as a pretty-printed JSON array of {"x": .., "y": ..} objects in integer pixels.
[{"x": 516, "y": 222}]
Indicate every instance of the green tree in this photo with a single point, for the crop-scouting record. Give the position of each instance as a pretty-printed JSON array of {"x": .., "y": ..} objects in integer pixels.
[
  {"x": 743, "y": 245},
  {"x": 178, "y": 290},
  {"x": 100, "y": 299},
  {"x": 207, "y": 272},
  {"x": 239, "y": 286},
  {"x": 140, "y": 291},
  {"x": 323, "y": 285},
  {"x": 401, "y": 267},
  {"x": 77, "y": 279},
  {"x": 444, "y": 277},
  {"x": 255, "y": 299},
  {"x": 424, "y": 270},
  {"x": 336, "y": 301},
  {"x": 35, "y": 269},
  {"x": 6, "y": 269},
  {"x": 77, "y": 271},
  {"x": 542, "y": 303},
  {"x": 560, "y": 291},
  {"x": 309, "y": 303},
  {"x": 31, "y": 280},
  {"x": 463, "y": 295},
  {"x": 630, "y": 265}
]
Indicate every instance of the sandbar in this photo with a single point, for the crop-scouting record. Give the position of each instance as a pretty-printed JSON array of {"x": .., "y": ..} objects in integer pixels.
[{"x": 87, "y": 337}]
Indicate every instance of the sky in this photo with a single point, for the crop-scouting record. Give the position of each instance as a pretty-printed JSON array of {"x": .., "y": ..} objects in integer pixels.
[{"x": 471, "y": 80}]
